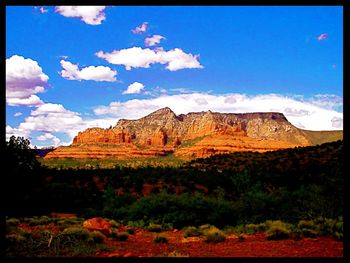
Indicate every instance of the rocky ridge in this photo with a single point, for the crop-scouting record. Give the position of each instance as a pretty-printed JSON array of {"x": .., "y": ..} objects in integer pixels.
[{"x": 196, "y": 134}]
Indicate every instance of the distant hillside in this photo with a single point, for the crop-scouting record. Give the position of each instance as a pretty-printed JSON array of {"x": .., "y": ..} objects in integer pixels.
[{"x": 319, "y": 137}]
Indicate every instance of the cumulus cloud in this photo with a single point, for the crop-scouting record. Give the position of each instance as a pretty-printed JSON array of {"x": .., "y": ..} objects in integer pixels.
[
  {"x": 17, "y": 114},
  {"x": 135, "y": 87},
  {"x": 24, "y": 78},
  {"x": 141, "y": 28},
  {"x": 44, "y": 137},
  {"x": 100, "y": 73},
  {"x": 201, "y": 101},
  {"x": 137, "y": 57},
  {"x": 49, "y": 137},
  {"x": 337, "y": 122},
  {"x": 322, "y": 37},
  {"x": 91, "y": 15},
  {"x": 328, "y": 101},
  {"x": 16, "y": 132},
  {"x": 50, "y": 119},
  {"x": 153, "y": 40},
  {"x": 300, "y": 113}
]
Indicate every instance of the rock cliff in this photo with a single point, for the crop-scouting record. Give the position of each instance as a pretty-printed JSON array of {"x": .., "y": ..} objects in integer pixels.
[{"x": 196, "y": 134}]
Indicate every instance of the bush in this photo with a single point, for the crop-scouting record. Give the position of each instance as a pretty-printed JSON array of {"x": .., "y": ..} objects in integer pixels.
[
  {"x": 214, "y": 235},
  {"x": 176, "y": 254},
  {"x": 12, "y": 222},
  {"x": 78, "y": 233},
  {"x": 120, "y": 236},
  {"x": 160, "y": 239},
  {"x": 138, "y": 223},
  {"x": 308, "y": 224},
  {"x": 205, "y": 227},
  {"x": 130, "y": 230},
  {"x": 154, "y": 228},
  {"x": 191, "y": 231},
  {"x": 277, "y": 233},
  {"x": 307, "y": 232},
  {"x": 69, "y": 222},
  {"x": 277, "y": 230},
  {"x": 114, "y": 223},
  {"x": 14, "y": 239},
  {"x": 97, "y": 237}
]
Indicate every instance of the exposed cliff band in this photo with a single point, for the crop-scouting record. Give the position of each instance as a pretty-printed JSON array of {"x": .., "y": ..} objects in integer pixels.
[{"x": 195, "y": 134}]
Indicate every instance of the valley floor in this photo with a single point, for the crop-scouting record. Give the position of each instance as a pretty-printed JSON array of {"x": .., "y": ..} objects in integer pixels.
[{"x": 141, "y": 245}]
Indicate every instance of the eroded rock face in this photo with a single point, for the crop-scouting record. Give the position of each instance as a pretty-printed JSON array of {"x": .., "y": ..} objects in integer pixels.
[
  {"x": 99, "y": 135},
  {"x": 196, "y": 134}
]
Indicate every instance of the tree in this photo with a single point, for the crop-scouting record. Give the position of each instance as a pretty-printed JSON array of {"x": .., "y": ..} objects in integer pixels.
[
  {"x": 21, "y": 176},
  {"x": 19, "y": 156}
]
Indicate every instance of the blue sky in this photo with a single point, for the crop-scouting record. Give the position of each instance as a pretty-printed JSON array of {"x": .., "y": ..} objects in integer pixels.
[{"x": 70, "y": 68}]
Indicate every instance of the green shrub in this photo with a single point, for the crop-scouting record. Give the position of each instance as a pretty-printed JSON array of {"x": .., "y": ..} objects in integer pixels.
[
  {"x": 214, "y": 235},
  {"x": 191, "y": 231},
  {"x": 177, "y": 254},
  {"x": 130, "y": 230},
  {"x": 78, "y": 233},
  {"x": 138, "y": 223},
  {"x": 154, "y": 228},
  {"x": 69, "y": 222},
  {"x": 205, "y": 227},
  {"x": 307, "y": 224},
  {"x": 239, "y": 229},
  {"x": 296, "y": 233},
  {"x": 307, "y": 232},
  {"x": 12, "y": 222},
  {"x": 277, "y": 233},
  {"x": 15, "y": 239},
  {"x": 113, "y": 222},
  {"x": 120, "y": 236},
  {"x": 25, "y": 234},
  {"x": 338, "y": 235},
  {"x": 160, "y": 239},
  {"x": 241, "y": 237},
  {"x": 97, "y": 237}
]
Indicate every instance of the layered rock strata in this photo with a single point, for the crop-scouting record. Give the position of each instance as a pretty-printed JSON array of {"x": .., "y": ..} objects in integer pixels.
[{"x": 196, "y": 134}]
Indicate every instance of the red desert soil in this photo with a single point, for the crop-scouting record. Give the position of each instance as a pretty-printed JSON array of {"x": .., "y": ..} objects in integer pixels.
[{"x": 141, "y": 244}]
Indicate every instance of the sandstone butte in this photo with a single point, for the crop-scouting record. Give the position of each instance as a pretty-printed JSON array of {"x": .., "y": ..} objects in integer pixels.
[{"x": 192, "y": 135}]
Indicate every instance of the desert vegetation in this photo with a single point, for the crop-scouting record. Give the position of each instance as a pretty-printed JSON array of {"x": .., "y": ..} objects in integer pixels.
[{"x": 284, "y": 195}]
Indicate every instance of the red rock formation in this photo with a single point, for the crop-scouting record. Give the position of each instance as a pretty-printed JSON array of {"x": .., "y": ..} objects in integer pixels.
[
  {"x": 197, "y": 134},
  {"x": 98, "y": 224},
  {"x": 99, "y": 135}
]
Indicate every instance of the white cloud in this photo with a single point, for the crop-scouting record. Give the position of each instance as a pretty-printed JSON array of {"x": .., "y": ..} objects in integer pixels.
[
  {"x": 300, "y": 113},
  {"x": 201, "y": 101},
  {"x": 153, "y": 40},
  {"x": 17, "y": 114},
  {"x": 328, "y": 101},
  {"x": 322, "y": 37},
  {"x": 135, "y": 87},
  {"x": 177, "y": 59},
  {"x": 32, "y": 100},
  {"x": 43, "y": 10},
  {"x": 337, "y": 122},
  {"x": 100, "y": 73},
  {"x": 44, "y": 137},
  {"x": 51, "y": 119},
  {"x": 141, "y": 28},
  {"x": 16, "y": 132},
  {"x": 137, "y": 57},
  {"x": 91, "y": 15},
  {"x": 49, "y": 137},
  {"x": 24, "y": 78}
]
